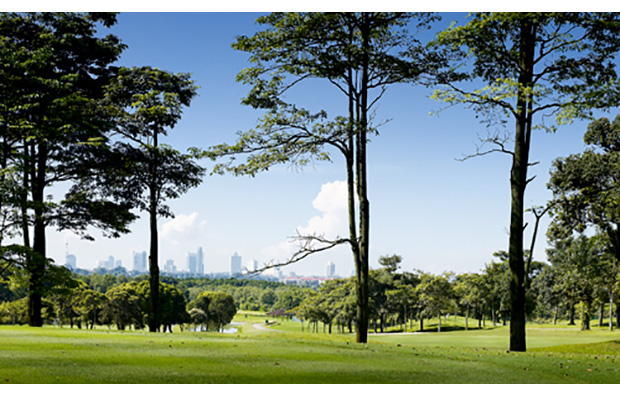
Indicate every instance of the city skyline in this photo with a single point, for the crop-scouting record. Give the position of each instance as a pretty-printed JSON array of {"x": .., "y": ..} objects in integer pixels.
[
  {"x": 140, "y": 265},
  {"x": 438, "y": 213}
]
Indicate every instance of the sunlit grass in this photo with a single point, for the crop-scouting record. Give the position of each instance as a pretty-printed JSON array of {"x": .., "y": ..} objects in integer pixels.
[{"x": 54, "y": 355}]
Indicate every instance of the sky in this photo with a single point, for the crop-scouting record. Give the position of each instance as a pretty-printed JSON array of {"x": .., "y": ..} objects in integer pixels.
[{"x": 438, "y": 213}]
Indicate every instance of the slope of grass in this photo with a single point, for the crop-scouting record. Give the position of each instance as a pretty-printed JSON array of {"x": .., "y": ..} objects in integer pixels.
[{"x": 53, "y": 355}]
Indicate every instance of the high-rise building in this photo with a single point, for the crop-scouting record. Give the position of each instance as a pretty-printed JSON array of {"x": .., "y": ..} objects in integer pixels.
[
  {"x": 108, "y": 264},
  {"x": 70, "y": 261},
  {"x": 330, "y": 270},
  {"x": 139, "y": 262},
  {"x": 235, "y": 264},
  {"x": 169, "y": 267},
  {"x": 195, "y": 262},
  {"x": 200, "y": 266},
  {"x": 252, "y": 265},
  {"x": 192, "y": 262}
]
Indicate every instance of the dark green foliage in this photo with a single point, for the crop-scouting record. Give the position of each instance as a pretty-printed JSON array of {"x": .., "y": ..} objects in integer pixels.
[
  {"x": 124, "y": 307},
  {"x": 55, "y": 124},
  {"x": 149, "y": 103},
  {"x": 212, "y": 309},
  {"x": 171, "y": 304},
  {"x": 586, "y": 195},
  {"x": 525, "y": 67}
]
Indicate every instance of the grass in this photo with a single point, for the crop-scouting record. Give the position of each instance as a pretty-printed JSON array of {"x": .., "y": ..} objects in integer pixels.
[{"x": 54, "y": 355}]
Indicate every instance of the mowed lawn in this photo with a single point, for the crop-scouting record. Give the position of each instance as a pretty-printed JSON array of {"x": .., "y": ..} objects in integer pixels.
[{"x": 54, "y": 355}]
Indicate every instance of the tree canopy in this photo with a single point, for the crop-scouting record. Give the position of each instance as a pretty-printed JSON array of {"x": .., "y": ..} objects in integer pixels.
[{"x": 527, "y": 68}]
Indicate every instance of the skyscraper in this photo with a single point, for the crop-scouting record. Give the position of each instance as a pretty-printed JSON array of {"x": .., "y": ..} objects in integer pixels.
[
  {"x": 70, "y": 261},
  {"x": 170, "y": 267},
  {"x": 200, "y": 267},
  {"x": 139, "y": 261},
  {"x": 235, "y": 264},
  {"x": 195, "y": 262},
  {"x": 331, "y": 270},
  {"x": 192, "y": 262}
]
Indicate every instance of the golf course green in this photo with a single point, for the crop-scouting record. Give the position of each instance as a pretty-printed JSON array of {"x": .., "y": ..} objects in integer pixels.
[{"x": 280, "y": 353}]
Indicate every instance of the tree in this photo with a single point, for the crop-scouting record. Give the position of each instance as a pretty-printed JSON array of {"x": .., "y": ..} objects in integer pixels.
[
  {"x": 150, "y": 102},
  {"x": 580, "y": 261},
  {"x": 267, "y": 299},
  {"x": 89, "y": 305},
  {"x": 497, "y": 277},
  {"x": 532, "y": 66},
  {"x": 435, "y": 293},
  {"x": 360, "y": 54},
  {"x": 390, "y": 263},
  {"x": 586, "y": 192},
  {"x": 171, "y": 304},
  {"x": 468, "y": 290},
  {"x": 54, "y": 119},
  {"x": 214, "y": 309},
  {"x": 548, "y": 292},
  {"x": 124, "y": 306}
]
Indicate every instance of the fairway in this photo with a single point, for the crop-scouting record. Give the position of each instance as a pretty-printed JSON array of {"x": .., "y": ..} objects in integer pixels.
[{"x": 252, "y": 355}]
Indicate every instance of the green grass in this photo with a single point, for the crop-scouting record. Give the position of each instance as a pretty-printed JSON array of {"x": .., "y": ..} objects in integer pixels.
[{"x": 54, "y": 355}]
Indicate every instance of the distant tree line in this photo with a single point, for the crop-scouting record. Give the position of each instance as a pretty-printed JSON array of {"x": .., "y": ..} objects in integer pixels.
[
  {"x": 85, "y": 301},
  {"x": 580, "y": 283}
]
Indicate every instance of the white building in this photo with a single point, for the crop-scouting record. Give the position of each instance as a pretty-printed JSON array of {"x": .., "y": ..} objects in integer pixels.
[
  {"x": 330, "y": 270},
  {"x": 235, "y": 265},
  {"x": 252, "y": 265},
  {"x": 200, "y": 265},
  {"x": 139, "y": 262},
  {"x": 195, "y": 262},
  {"x": 169, "y": 267},
  {"x": 70, "y": 261},
  {"x": 107, "y": 264},
  {"x": 192, "y": 262}
]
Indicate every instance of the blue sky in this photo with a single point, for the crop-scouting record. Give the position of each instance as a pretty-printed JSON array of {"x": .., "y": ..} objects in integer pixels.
[{"x": 439, "y": 214}]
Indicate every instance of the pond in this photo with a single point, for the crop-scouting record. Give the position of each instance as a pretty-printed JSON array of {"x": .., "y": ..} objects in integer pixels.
[{"x": 230, "y": 328}]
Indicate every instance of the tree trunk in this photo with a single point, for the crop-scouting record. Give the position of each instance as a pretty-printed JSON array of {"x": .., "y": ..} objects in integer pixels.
[
  {"x": 37, "y": 269},
  {"x": 611, "y": 310},
  {"x": 439, "y": 322},
  {"x": 601, "y": 308},
  {"x": 362, "y": 189},
  {"x": 555, "y": 315},
  {"x": 585, "y": 315},
  {"x": 467, "y": 318},
  {"x": 153, "y": 253},
  {"x": 518, "y": 183},
  {"x": 571, "y": 314},
  {"x": 421, "y": 324}
]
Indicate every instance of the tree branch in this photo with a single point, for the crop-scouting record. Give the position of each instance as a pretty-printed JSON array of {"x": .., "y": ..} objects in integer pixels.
[{"x": 306, "y": 249}]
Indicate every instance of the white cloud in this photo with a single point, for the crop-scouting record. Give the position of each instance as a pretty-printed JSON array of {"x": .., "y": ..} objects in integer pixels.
[
  {"x": 332, "y": 222},
  {"x": 332, "y": 203},
  {"x": 182, "y": 228}
]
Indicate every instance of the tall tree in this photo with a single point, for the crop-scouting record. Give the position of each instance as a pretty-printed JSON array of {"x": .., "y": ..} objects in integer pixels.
[
  {"x": 532, "y": 66},
  {"x": 586, "y": 193},
  {"x": 581, "y": 261},
  {"x": 360, "y": 54},
  {"x": 53, "y": 114},
  {"x": 435, "y": 293},
  {"x": 150, "y": 103}
]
